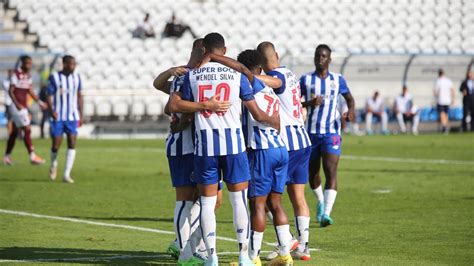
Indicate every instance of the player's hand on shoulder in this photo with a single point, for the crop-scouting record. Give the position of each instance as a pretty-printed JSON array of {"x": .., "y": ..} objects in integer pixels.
[
  {"x": 178, "y": 71},
  {"x": 217, "y": 106}
]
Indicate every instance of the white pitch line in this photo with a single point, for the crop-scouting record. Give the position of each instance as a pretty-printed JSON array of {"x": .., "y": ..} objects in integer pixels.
[
  {"x": 348, "y": 157},
  {"x": 74, "y": 220},
  {"x": 406, "y": 160},
  {"x": 91, "y": 258}
]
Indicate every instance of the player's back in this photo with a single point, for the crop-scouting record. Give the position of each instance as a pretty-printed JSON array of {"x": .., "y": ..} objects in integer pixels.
[
  {"x": 292, "y": 122},
  {"x": 260, "y": 136},
  {"x": 218, "y": 133}
]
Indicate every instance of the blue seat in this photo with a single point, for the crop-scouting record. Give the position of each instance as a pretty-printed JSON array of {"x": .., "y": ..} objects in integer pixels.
[
  {"x": 455, "y": 114},
  {"x": 3, "y": 119}
]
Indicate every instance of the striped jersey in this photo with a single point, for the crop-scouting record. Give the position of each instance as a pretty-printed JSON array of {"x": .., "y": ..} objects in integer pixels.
[
  {"x": 325, "y": 118},
  {"x": 180, "y": 143},
  {"x": 22, "y": 82},
  {"x": 257, "y": 135},
  {"x": 292, "y": 130},
  {"x": 65, "y": 90},
  {"x": 217, "y": 133}
]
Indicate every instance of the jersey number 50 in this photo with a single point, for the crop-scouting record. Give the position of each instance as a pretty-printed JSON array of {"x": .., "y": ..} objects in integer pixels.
[{"x": 220, "y": 88}]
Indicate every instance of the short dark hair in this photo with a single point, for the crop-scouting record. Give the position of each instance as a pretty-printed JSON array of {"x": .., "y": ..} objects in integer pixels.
[
  {"x": 198, "y": 43},
  {"x": 213, "y": 40},
  {"x": 67, "y": 57},
  {"x": 250, "y": 58},
  {"x": 23, "y": 58},
  {"x": 322, "y": 46}
]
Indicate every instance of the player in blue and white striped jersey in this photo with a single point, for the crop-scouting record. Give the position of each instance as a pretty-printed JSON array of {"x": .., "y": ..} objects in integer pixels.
[
  {"x": 268, "y": 159},
  {"x": 65, "y": 104},
  {"x": 320, "y": 90},
  {"x": 219, "y": 144},
  {"x": 296, "y": 139},
  {"x": 179, "y": 150}
]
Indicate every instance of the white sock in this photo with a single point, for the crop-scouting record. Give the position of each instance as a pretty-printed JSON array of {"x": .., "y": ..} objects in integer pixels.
[
  {"x": 302, "y": 228},
  {"x": 54, "y": 159},
  {"x": 318, "y": 192},
  {"x": 284, "y": 238},
  {"x": 182, "y": 228},
  {"x": 329, "y": 199},
  {"x": 195, "y": 230},
  {"x": 32, "y": 155},
  {"x": 241, "y": 219},
  {"x": 208, "y": 223},
  {"x": 255, "y": 244},
  {"x": 70, "y": 157}
]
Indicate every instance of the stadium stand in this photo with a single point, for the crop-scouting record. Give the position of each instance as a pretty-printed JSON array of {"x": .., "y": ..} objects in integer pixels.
[{"x": 98, "y": 33}]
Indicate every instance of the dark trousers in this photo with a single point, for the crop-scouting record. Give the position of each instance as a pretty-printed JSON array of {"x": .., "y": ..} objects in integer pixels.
[{"x": 467, "y": 108}]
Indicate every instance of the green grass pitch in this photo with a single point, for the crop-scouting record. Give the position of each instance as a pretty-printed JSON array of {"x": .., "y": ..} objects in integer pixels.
[{"x": 399, "y": 211}]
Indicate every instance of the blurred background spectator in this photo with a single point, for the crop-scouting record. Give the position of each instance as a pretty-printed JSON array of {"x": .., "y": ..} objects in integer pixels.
[
  {"x": 374, "y": 107},
  {"x": 444, "y": 94},
  {"x": 467, "y": 90},
  {"x": 406, "y": 111},
  {"x": 176, "y": 29},
  {"x": 144, "y": 29}
]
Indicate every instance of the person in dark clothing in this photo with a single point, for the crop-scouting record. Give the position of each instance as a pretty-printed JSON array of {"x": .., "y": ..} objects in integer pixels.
[
  {"x": 467, "y": 90},
  {"x": 175, "y": 29},
  {"x": 43, "y": 95}
]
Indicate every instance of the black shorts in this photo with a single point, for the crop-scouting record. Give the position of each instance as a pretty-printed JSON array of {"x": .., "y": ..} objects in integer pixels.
[
  {"x": 407, "y": 118},
  {"x": 443, "y": 108}
]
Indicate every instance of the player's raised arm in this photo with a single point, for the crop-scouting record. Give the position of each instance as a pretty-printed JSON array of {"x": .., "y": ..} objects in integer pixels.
[
  {"x": 270, "y": 81},
  {"x": 161, "y": 82},
  {"x": 234, "y": 64}
]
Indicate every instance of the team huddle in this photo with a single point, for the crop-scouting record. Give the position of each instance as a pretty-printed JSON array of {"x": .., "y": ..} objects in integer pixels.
[{"x": 259, "y": 132}]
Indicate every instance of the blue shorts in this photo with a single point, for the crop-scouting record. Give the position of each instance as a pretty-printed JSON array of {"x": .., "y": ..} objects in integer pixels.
[
  {"x": 269, "y": 171},
  {"x": 181, "y": 170},
  {"x": 328, "y": 143},
  {"x": 298, "y": 166},
  {"x": 233, "y": 168},
  {"x": 58, "y": 128}
]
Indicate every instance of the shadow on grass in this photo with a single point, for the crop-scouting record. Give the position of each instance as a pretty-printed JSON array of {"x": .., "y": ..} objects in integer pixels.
[
  {"x": 84, "y": 256},
  {"x": 135, "y": 219},
  {"x": 14, "y": 179}
]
